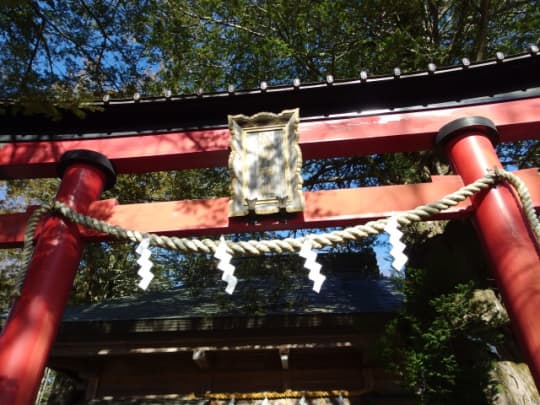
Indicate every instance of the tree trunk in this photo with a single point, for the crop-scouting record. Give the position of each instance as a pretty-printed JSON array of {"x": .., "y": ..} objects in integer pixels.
[{"x": 481, "y": 36}]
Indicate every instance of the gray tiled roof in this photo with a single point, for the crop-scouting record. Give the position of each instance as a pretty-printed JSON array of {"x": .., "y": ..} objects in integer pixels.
[{"x": 339, "y": 295}]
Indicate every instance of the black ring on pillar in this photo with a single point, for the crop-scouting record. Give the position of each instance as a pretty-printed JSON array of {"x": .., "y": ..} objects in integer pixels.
[
  {"x": 457, "y": 127},
  {"x": 91, "y": 157}
]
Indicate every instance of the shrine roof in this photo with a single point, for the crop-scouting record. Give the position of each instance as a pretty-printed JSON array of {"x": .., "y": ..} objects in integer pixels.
[
  {"x": 500, "y": 79},
  {"x": 339, "y": 295}
]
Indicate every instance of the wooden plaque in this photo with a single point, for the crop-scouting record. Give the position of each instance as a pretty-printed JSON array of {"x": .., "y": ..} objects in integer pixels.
[{"x": 265, "y": 164}]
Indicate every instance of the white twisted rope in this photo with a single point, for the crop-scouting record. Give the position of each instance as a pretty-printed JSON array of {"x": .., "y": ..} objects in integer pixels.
[
  {"x": 525, "y": 198},
  {"x": 255, "y": 247}
]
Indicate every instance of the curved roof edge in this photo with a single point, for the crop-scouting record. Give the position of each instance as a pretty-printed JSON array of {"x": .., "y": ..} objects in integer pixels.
[{"x": 487, "y": 82}]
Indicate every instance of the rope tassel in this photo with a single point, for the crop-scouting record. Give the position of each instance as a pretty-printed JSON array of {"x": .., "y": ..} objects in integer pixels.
[
  {"x": 145, "y": 263},
  {"x": 392, "y": 228},
  {"x": 225, "y": 266},
  {"x": 311, "y": 264}
]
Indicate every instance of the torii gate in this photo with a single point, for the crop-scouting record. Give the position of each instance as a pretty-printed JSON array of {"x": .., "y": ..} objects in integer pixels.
[{"x": 463, "y": 109}]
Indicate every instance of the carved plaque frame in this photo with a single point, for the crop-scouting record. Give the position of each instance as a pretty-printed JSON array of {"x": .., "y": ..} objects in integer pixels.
[{"x": 265, "y": 164}]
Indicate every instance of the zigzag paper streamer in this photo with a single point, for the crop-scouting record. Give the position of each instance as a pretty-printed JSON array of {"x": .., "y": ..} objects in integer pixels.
[
  {"x": 225, "y": 266},
  {"x": 311, "y": 264},
  {"x": 392, "y": 228},
  {"x": 145, "y": 263}
]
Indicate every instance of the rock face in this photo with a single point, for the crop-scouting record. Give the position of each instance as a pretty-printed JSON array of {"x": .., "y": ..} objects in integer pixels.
[
  {"x": 515, "y": 384},
  {"x": 493, "y": 309}
]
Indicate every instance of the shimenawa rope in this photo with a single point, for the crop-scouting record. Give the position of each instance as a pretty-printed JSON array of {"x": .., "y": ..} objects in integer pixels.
[{"x": 256, "y": 247}]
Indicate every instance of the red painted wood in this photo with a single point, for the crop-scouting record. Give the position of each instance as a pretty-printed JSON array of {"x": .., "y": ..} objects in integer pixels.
[
  {"x": 327, "y": 208},
  {"x": 34, "y": 319},
  {"x": 511, "y": 248},
  {"x": 386, "y": 133}
]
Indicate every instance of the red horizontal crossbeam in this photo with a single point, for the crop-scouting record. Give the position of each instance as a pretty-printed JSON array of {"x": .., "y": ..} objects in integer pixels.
[
  {"x": 326, "y": 208},
  {"x": 387, "y": 133}
]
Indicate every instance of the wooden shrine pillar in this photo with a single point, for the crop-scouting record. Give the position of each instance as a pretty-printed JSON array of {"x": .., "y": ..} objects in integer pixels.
[
  {"x": 510, "y": 245},
  {"x": 35, "y": 317}
]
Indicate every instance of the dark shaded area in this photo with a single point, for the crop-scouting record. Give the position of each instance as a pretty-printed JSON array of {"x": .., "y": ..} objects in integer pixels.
[
  {"x": 331, "y": 337},
  {"x": 445, "y": 339}
]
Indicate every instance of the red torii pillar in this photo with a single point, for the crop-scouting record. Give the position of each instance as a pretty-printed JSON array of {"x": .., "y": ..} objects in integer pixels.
[
  {"x": 509, "y": 243},
  {"x": 35, "y": 317}
]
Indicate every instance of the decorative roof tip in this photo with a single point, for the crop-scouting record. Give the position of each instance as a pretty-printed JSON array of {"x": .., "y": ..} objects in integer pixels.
[
  {"x": 363, "y": 75},
  {"x": 296, "y": 83},
  {"x": 465, "y": 63},
  {"x": 200, "y": 92},
  {"x": 263, "y": 86},
  {"x": 397, "y": 73},
  {"x": 136, "y": 96},
  {"x": 533, "y": 50},
  {"x": 167, "y": 93},
  {"x": 499, "y": 56},
  {"x": 329, "y": 79},
  {"x": 432, "y": 67},
  {"x": 106, "y": 98},
  {"x": 230, "y": 89}
]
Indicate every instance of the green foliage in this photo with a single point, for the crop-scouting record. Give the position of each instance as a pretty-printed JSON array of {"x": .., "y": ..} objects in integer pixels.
[
  {"x": 524, "y": 154},
  {"x": 442, "y": 343},
  {"x": 59, "y": 54},
  {"x": 64, "y": 53}
]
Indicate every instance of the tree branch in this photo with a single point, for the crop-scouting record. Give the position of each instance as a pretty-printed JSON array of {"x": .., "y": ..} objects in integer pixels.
[
  {"x": 222, "y": 22},
  {"x": 481, "y": 37}
]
